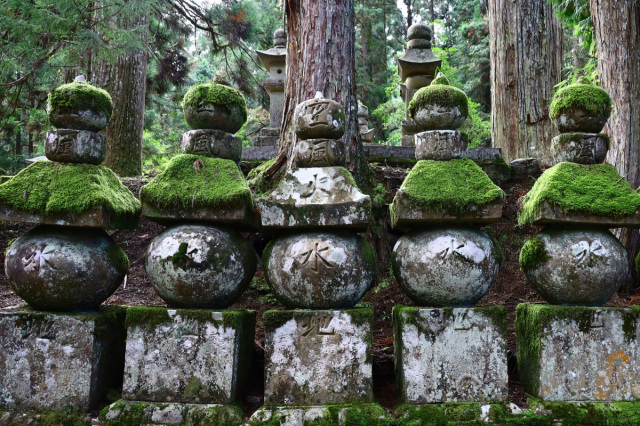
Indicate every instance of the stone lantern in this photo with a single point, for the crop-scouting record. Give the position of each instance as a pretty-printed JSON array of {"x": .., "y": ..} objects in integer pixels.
[
  {"x": 274, "y": 60},
  {"x": 417, "y": 68}
]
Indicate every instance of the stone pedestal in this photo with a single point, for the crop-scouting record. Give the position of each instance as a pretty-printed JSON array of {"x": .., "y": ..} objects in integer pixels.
[
  {"x": 318, "y": 357},
  {"x": 451, "y": 354},
  {"x": 579, "y": 353},
  {"x": 269, "y": 136},
  {"x": 187, "y": 355},
  {"x": 59, "y": 360}
]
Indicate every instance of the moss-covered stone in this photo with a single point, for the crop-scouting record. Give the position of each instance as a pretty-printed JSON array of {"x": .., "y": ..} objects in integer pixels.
[
  {"x": 80, "y": 96},
  {"x": 130, "y": 413},
  {"x": 50, "y": 188},
  {"x": 456, "y": 186},
  {"x": 596, "y": 190},
  {"x": 214, "y": 106},
  {"x": 325, "y": 415},
  {"x": 581, "y": 95},
  {"x": 193, "y": 181},
  {"x": 439, "y": 93},
  {"x": 532, "y": 254}
]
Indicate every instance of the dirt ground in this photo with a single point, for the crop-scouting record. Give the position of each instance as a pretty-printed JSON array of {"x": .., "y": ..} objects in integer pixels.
[{"x": 509, "y": 290}]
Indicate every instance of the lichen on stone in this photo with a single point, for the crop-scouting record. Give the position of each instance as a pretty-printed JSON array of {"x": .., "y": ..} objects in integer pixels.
[
  {"x": 441, "y": 94},
  {"x": 217, "y": 94},
  {"x": 194, "y": 181},
  {"x": 79, "y": 96},
  {"x": 454, "y": 186},
  {"x": 47, "y": 187},
  {"x": 583, "y": 95},
  {"x": 594, "y": 189},
  {"x": 533, "y": 253}
]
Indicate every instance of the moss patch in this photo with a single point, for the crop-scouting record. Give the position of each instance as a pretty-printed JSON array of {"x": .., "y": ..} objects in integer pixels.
[
  {"x": 80, "y": 97},
  {"x": 583, "y": 95},
  {"x": 47, "y": 187},
  {"x": 596, "y": 190},
  {"x": 439, "y": 93},
  {"x": 192, "y": 181},
  {"x": 355, "y": 414},
  {"x": 532, "y": 254},
  {"x": 217, "y": 94},
  {"x": 454, "y": 186},
  {"x": 139, "y": 413}
]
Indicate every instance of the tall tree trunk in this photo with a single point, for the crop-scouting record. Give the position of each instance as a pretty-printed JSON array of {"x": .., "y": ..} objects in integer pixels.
[
  {"x": 617, "y": 30},
  {"x": 526, "y": 63},
  {"x": 125, "y": 81},
  {"x": 320, "y": 58}
]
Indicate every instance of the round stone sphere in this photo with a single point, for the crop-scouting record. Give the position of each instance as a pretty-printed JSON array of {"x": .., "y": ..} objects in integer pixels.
[
  {"x": 60, "y": 268},
  {"x": 319, "y": 118},
  {"x": 200, "y": 266},
  {"x": 419, "y": 30},
  {"x": 214, "y": 106},
  {"x": 439, "y": 106},
  {"x": 79, "y": 106},
  {"x": 574, "y": 267},
  {"x": 445, "y": 267},
  {"x": 580, "y": 107},
  {"x": 319, "y": 270}
]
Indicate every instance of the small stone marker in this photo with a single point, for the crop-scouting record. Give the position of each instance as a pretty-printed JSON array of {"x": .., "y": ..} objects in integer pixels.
[
  {"x": 187, "y": 355},
  {"x": 318, "y": 357},
  {"x": 59, "y": 361},
  {"x": 579, "y": 353},
  {"x": 451, "y": 355}
]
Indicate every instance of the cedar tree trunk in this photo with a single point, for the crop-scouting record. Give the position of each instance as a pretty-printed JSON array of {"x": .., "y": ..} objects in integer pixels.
[{"x": 526, "y": 63}]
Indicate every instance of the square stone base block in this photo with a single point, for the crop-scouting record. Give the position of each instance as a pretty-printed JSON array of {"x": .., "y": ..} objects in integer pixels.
[
  {"x": 318, "y": 357},
  {"x": 569, "y": 353},
  {"x": 149, "y": 413},
  {"x": 187, "y": 355},
  {"x": 339, "y": 414},
  {"x": 451, "y": 354},
  {"x": 59, "y": 360}
]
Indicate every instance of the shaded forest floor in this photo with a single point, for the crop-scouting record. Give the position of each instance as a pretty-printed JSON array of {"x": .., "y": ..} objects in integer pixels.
[{"x": 509, "y": 290}]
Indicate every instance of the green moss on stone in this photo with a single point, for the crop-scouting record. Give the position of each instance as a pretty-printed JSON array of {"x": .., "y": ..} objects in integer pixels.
[
  {"x": 439, "y": 93},
  {"x": 146, "y": 316},
  {"x": 369, "y": 255},
  {"x": 47, "y": 187},
  {"x": 217, "y": 94},
  {"x": 80, "y": 97},
  {"x": 596, "y": 190},
  {"x": 193, "y": 181},
  {"x": 532, "y": 254},
  {"x": 630, "y": 321},
  {"x": 583, "y": 95},
  {"x": 4, "y": 179},
  {"x": 354, "y": 414},
  {"x": 454, "y": 186},
  {"x": 442, "y": 79}
]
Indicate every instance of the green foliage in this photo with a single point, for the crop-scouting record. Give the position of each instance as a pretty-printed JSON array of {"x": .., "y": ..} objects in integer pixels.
[
  {"x": 575, "y": 188},
  {"x": 576, "y": 15},
  {"x": 257, "y": 118},
  {"x": 192, "y": 181},
  {"x": 390, "y": 114},
  {"x": 49, "y": 187},
  {"x": 580, "y": 95},
  {"x": 454, "y": 186},
  {"x": 80, "y": 97}
]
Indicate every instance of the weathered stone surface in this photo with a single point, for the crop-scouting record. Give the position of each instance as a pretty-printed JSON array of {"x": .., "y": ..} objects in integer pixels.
[
  {"x": 259, "y": 153},
  {"x": 319, "y": 118},
  {"x": 582, "y": 148},
  {"x": 388, "y": 152},
  {"x": 575, "y": 267},
  {"x": 579, "y": 354},
  {"x": 524, "y": 168},
  {"x": 59, "y": 361},
  {"x": 214, "y": 106},
  {"x": 268, "y": 137},
  {"x": 212, "y": 143},
  {"x": 408, "y": 141},
  {"x": 187, "y": 355},
  {"x": 580, "y": 120},
  {"x": 554, "y": 215},
  {"x": 445, "y": 267},
  {"x": 318, "y": 357},
  {"x": 75, "y": 146},
  {"x": 451, "y": 355},
  {"x": 316, "y": 196},
  {"x": 79, "y": 106},
  {"x": 497, "y": 169},
  {"x": 63, "y": 269},
  {"x": 334, "y": 414},
  {"x": 320, "y": 153},
  {"x": 200, "y": 266},
  {"x": 439, "y": 117},
  {"x": 439, "y": 145},
  {"x": 483, "y": 153},
  {"x": 148, "y": 413},
  {"x": 319, "y": 270}
]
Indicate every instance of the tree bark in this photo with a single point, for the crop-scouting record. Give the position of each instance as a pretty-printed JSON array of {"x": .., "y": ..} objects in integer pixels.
[
  {"x": 526, "y": 63},
  {"x": 320, "y": 58},
  {"x": 617, "y": 30},
  {"x": 125, "y": 81}
]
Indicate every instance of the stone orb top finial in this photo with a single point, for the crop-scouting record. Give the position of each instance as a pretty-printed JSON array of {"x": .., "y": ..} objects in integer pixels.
[
  {"x": 419, "y": 30},
  {"x": 279, "y": 38}
]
